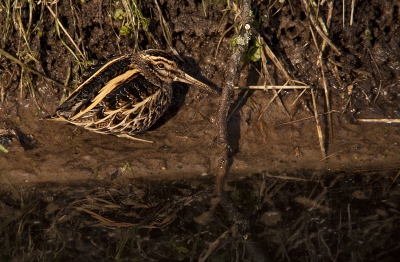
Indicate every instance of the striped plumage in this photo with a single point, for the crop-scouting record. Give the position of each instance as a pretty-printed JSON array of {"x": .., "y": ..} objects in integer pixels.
[{"x": 126, "y": 94}]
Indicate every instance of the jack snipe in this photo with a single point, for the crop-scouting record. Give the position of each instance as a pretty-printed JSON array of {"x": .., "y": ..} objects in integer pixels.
[
  {"x": 139, "y": 205},
  {"x": 126, "y": 94}
]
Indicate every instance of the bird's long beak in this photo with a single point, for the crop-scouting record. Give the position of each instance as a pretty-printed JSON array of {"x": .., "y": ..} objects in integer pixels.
[{"x": 185, "y": 78}]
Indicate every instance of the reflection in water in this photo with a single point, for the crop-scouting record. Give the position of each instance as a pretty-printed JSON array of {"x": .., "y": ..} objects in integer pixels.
[{"x": 329, "y": 217}]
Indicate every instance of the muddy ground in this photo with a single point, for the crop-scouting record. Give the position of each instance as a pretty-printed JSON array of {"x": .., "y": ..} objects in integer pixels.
[{"x": 301, "y": 202}]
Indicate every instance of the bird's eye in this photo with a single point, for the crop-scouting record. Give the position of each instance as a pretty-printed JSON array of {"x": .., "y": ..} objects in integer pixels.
[{"x": 160, "y": 65}]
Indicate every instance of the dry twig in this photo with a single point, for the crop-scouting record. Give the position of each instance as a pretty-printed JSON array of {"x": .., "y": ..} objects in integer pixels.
[
  {"x": 271, "y": 87},
  {"x": 319, "y": 129},
  {"x": 380, "y": 120},
  {"x": 223, "y": 145},
  {"x": 326, "y": 92},
  {"x": 318, "y": 28},
  {"x": 65, "y": 31},
  {"x": 25, "y": 67},
  {"x": 166, "y": 31}
]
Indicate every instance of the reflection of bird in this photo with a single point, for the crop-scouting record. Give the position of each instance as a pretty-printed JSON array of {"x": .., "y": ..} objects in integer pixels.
[
  {"x": 138, "y": 206},
  {"x": 125, "y": 94}
]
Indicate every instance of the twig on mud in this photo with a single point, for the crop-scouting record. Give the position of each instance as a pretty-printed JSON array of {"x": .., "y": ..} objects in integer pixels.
[
  {"x": 3, "y": 89},
  {"x": 100, "y": 15},
  {"x": 166, "y": 31},
  {"x": 275, "y": 187},
  {"x": 298, "y": 97},
  {"x": 326, "y": 92},
  {"x": 105, "y": 221},
  {"x": 222, "y": 37},
  {"x": 223, "y": 145},
  {"x": 296, "y": 121},
  {"x": 274, "y": 59},
  {"x": 393, "y": 180},
  {"x": 322, "y": 239},
  {"x": 25, "y": 209},
  {"x": 350, "y": 228},
  {"x": 276, "y": 94},
  {"x": 343, "y": 12},
  {"x": 195, "y": 244},
  {"x": 129, "y": 14},
  {"x": 212, "y": 246},
  {"x": 312, "y": 204},
  {"x": 267, "y": 52},
  {"x": 235, "y": 9},
  {"x": 380, "y": 75},
  {"x": 65, "y": 31},
  {"x": 15, "y": 60},
  {"x": 318, "y": 18},
  {"x": 338, "y": 64},
  {"x": 352, "y": 12},
  {"x": 284, "y": 177},
  {"x": 379, "y": 120},
  {"x": 318, "y": 28},
  {"x": 271, "y": 87},
  {"x": 238, "y": 103},
  {"x": 388, "y": 168},
  {"x": 330, "y": 156},
  {"x": 328, "y": 23},
  {"x": 378, "y": 92},
  {"x": 319, "y": 129}
]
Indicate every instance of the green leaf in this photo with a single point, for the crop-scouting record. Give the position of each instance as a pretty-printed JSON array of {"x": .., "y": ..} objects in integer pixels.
[
  {"x": 179, "y": 248},
  {"x": 2, "y": 148},
  {"x": 125, "y": 29},
  {"x": 254, "y": 53},
  {"x": 233, "y": 41},
  {"x": 119, "y": 14}
]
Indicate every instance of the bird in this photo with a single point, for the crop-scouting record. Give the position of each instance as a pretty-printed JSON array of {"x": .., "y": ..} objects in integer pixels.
[
  {"x": 125, "y": 94},
  {"x": 139, "y": 205}
]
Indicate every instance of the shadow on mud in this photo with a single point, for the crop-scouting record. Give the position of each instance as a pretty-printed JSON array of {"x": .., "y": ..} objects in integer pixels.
[{"x": 307, "y": 217}]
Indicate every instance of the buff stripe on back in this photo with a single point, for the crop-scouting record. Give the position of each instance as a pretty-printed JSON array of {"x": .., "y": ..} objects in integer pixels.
[
  {"x": 107, "y": 89},
  {"x": 98, "y": 72}
]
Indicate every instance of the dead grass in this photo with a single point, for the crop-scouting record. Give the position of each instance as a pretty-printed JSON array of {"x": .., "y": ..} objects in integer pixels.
[
  {"x": 23, "y": 57},
  {"x": 266, "y": 53}
]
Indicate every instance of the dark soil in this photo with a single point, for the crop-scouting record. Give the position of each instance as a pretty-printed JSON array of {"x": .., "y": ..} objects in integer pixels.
[{"x": 303, "y": 206}]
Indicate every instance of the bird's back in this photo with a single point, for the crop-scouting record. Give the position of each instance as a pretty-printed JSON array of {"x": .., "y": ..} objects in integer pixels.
[{"x": 115, "y": 97}]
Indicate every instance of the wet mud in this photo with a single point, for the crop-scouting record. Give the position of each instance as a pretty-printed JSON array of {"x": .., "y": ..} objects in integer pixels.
[{"x": 339, "y": 203}]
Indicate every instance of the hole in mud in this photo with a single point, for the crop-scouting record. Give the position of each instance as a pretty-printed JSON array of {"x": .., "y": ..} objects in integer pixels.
[
  {"x": 291, "y": 29},
  {"x": 386, "y": 29},
  {"x": 93, "y": 56},
  {"x": 303, "y": 16},
  {"x": 395, "y": 13},
  {"x": 64, "y": 21}
]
